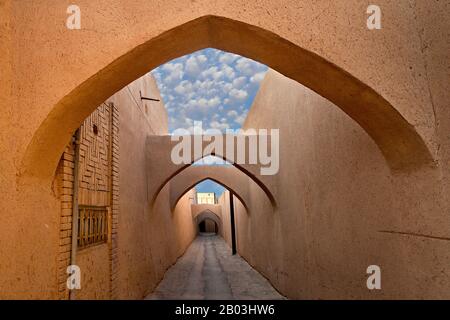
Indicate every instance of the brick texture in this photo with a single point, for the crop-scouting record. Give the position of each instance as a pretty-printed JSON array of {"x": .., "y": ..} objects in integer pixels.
[{"x": 98, "y": 186}]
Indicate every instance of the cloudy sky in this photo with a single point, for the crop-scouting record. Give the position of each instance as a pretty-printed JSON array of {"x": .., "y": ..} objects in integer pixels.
[{"x": 211, "y": 86}]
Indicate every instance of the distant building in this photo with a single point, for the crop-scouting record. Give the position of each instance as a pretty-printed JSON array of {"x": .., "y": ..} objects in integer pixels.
[{"x": 206, "y": 198}]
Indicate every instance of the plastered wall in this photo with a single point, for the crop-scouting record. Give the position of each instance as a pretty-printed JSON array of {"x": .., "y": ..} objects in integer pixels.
[
  {"x": 150, "y": 238},
  {"x": 146, "y": 239}
]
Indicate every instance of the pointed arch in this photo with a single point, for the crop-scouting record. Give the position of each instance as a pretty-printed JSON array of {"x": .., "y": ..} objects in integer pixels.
[
  {"x": 208, "y": 214},
  {"x": 401, "y": 145},
  {"x": 185, "y": 187}
]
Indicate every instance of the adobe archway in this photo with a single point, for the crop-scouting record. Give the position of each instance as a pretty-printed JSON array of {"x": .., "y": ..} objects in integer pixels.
[
  {"x": 398, "y": 140},
  {"x": 214, "y": 209},
  {"x": 201, "y": 212},
  {"x": 162, "y": 170},
  {"x": 227, "y": 176},
  {"x": 208, "y": 214}
]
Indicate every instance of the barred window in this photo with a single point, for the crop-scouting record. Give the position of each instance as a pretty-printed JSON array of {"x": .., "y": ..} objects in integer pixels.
[{"x": 92, "y": 226}]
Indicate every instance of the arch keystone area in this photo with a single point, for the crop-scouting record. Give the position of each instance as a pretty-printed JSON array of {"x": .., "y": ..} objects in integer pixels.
[{"x": 401, "y": 145}]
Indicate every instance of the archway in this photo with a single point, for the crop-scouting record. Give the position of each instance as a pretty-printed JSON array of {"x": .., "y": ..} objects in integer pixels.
[
  {"x": 208, "y": 214},
  {"x": 200, "y": 212},
  {"x": 185, "y": 188},
  {"x": 228, "y": 176},
  {"x": 208, "y": 226},
  {"x": 401, "y": 145},
  {"x": 162, "y": 169}
]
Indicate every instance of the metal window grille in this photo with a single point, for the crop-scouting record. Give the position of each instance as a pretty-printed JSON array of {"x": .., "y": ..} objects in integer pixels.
[{"x": 92, "y": 226}]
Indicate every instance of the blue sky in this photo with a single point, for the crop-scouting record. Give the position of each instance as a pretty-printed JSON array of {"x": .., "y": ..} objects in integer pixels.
[
  {"x": 210, "y": 186},
  {"x": 211, "y": 86}
]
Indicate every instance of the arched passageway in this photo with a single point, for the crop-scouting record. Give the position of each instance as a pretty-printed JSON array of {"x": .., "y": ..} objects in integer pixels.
[
  {"x": 228, "y": 176},
  {"x": 212, "y": 211},
  {"x": 161, "y": 169},
  {"x": 399, "y": 142},
  {"x": 208, "y": 214},
  {"x": 338, "y": 200}
]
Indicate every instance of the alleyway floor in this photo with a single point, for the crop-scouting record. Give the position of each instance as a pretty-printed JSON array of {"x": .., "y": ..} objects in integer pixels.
[{"x": 208, "y": 271}]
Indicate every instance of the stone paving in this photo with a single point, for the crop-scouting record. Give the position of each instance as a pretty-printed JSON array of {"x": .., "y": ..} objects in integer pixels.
[{"x": 208, "y": 271}]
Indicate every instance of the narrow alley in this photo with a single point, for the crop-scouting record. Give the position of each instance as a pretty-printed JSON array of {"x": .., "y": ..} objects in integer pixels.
[
  {"x": 224, "y": 150},
  {"x": 208, "y": 271}
]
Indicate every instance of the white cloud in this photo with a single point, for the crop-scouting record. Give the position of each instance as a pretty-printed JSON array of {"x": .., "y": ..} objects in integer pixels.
[
  {"x": 202, "y": 103},
  {"x": 184, "y": 87},
  {"x": 239, "y": 82},
  {"x": 228, "y": 58},
  {"x": 188, "y": 121},
  {"x": 232, "y": 113},
  {"x": 201, "y": 58},
  {"x": 194, "y": 64},
  {"x": 175, "y": 72},
  {"x": 195, "y": 129},
  {"x": 169, "y": 67},
  {"x": 158, "y": 76},
  {"x": 214, "y": 102},
  {"x": 192, "y": 67},
  {"x": 238, "y": 94},
  {"x": 228, "y": 72},
  {"x": 219, "y": 125},
  {"x": 210, "y": 160},
  {"x": 217, "y": 75},
  {"x": 208, "y": 85},
  {"x": 258, "y": 77},
  {"x": 210, "y": 72},
  {"x": 192, "y": 103},
  {"x": 245, "y": 66},
  {"x": 227, "y": 87},
  {"x": 204, "y": 85}
]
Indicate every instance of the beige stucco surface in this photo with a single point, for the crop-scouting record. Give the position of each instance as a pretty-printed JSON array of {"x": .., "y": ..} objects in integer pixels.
[
  {"x": 149, "y": 241},
  {"x": 240, "y": 209},
  {"x": 328, "y": 35}
]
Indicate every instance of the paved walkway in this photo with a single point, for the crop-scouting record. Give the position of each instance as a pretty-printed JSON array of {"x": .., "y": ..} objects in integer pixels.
[{"x": 208, "y": 271}]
